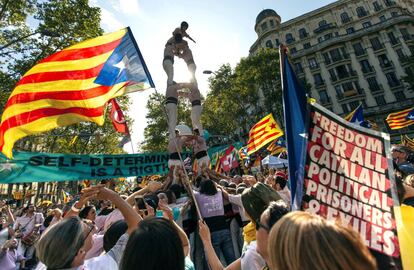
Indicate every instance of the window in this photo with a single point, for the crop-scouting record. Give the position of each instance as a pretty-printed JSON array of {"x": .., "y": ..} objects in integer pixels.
[
  {"x": 366, "y": 24},
  {"x": 404, "y": 32},
  {"x": 377, "y": 6},
  {"x": 394, "y": 14},
  {"x": 380, "y": 100},
  {"x": 373, "y": 84},
  {"x": 376, "y": 44},
  {"x": 277, "y": 42},
  {"x": 350, "y": 30},
  {"x": 392, "y": 38},
  {"x": 359, "y": 50},
  {"x": 313, "y": 64},
  {"x": 320, "y": 39},
  {"x": 264, "y": 26},
  {"x": 400, "y": 53},
  {"x": 354, "y": 105},
  {"x": 289, "y": 38},
  {"x": 365, "y": 66},
  {"x": 335, "y": 55},
  {"x": 272, "y": 23},
  {"x": 389, "y": 3},
  {"x": 323, "y": 95},
  {"x": 322, "y": 23},
  {"x": 345, "y": 18},
  {"x": 342, "y": 72},
  {"x": 306, "y": 45},
  {"x": 328, "y": 36},
  {"x": 409, "y": 72},
  {"x": 298, "y": 68},
  {"x": 345, "y": 108},
  {"x": 392, "y": 79},
  {"x": 302, "y": 33},
  {"x": 293, "y": 50},
  {"x": 269, "y": 44},
  {"x": 382, "y": 18},
  {"x": 333, "y": 75},
  {"x": 361, "y": 12},
  {"x": 348, "y": 86},
  {"x": 326, "y": 58},
  {"x": 400, "y": 96},
  {"x": 318, "y": 79},
  {"x": 384, "y": 62}
]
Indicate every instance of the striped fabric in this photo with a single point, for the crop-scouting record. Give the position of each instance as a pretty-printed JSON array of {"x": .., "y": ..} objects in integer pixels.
[
  {"x": 243, "y": 153},
  {"x": 276, "y": 147},
  {"x": 407, "y": 141},
  {"x": 72, "y": 86},
  {"x": 265, "y": 131},
  {"x": 400, "y": 119}
]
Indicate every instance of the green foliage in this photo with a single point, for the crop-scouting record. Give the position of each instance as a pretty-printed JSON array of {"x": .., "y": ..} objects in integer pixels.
[
  {"x": 156, "y": 131},
  {"x": 59, "y": 24},
  {"x": 241, "y": 97}
]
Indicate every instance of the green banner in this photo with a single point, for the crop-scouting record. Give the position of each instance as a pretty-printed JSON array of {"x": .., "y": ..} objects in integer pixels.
[{"x": 44, "y": 167}]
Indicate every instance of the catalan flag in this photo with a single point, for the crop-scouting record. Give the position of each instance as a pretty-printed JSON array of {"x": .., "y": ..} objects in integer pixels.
[
  {"x": 276, "y": 147},
  {"x": 72, "y": 86},
  {"x": 400, "y": 119},
  {"x": 407, "y": 141},
  {"x": 357, "y": 117},
  {"x": 263, "y": 132}
]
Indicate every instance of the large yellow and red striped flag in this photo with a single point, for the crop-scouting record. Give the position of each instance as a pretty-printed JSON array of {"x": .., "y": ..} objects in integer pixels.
[
  {"x": 263, "y": 132},
  {"x": 400, "y": 119},
  {"x": 72, "y": 86},
  {"x": 407, "y": 141}
]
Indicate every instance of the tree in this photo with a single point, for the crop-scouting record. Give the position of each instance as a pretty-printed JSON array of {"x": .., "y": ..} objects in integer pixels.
[
  {"x": 156, "y": 131},
  {"x": 241, "y": 97}
]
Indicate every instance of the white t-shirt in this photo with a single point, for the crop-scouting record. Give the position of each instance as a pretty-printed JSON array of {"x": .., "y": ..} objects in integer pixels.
[{"x": 251, "y": 260}]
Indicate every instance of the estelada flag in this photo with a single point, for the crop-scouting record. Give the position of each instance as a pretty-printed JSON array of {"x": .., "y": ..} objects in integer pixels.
[
  {"x": 72, "y": 86},
  {"x": 117, "y": 117},
  {"x": 263, "y": 132},
  {"x": 400, "y": 119},
  {"x": 229, "y": 159}
]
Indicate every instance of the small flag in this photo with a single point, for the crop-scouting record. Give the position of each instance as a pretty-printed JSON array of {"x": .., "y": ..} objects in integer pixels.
[
  {"x": 263, "y": 132},
  {"x": 296, "y": 121},
  {"x": 276, "y": 147},
  {"x": 410, "y": 115},
  {"x": 73, "y": 86},
  {"x": 357, "y": 117},
  {"x": 117, "y": 117},
  {"x": 405, "y": 140},
  {"x": 66, "y": 196},
  {"x": 243, "y": 153},
  {"x": 400, "y": 119},
  {"x": 126, "y": 139},
  {"x": 229, "y": 159}
]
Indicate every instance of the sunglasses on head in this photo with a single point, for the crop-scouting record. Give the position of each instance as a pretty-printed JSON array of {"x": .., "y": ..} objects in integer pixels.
[{"x": 260, "y": 225}]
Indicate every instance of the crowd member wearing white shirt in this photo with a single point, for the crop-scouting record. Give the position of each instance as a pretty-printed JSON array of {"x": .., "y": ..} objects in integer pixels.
[{"x": 65, "y": 244}]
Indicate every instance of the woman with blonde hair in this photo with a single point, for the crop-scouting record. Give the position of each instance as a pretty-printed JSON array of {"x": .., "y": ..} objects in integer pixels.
[{"x": 302, "y": 241}]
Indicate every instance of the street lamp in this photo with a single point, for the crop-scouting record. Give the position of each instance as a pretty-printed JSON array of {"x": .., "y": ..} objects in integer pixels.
[
  {"x": 208, "y": 72},
  {"x": 44, "y": 32}
]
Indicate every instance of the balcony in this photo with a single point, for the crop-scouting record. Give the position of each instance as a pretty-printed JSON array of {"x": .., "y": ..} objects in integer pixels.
[
  {"x": 378, "y": 8},
  {"x": 320, "y": 84},
  {"x": 290, "y": 40},
  {"x": 350, "y": 93},
  {"x": 394, "y": 83},
  {"x": 346, "y": 20},
  {"x": 324, "y": 27},
  {"x": 325, "y": 101},
  {"x": 389, "y": 3},
  {"x": 303, "y": 35}
]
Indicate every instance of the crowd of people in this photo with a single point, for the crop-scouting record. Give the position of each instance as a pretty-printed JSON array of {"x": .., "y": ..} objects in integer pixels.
[{"x": 210, "y": 221}]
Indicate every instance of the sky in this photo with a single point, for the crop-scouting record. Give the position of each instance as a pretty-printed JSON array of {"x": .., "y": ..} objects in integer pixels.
[{"x": 223, "y": 31}]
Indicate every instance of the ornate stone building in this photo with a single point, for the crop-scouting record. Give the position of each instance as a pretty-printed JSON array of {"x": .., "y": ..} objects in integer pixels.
[{"x": 351, "y": 52}]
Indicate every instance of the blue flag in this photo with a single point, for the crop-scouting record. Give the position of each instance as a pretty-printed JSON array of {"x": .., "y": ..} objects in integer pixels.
[
  {"x": 357, "y": 117},
  {"x": 410, "y": 115},
  {"x": 296, "y": 120}
]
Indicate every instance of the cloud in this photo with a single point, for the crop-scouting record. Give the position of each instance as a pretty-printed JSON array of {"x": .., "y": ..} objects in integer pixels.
[
  {"x": 109, "y": 21},
  {"x": 129, "y": 7}
]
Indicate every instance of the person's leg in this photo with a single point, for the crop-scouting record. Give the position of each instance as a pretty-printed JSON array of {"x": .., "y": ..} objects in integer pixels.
[
  {"x": 168, "y": 64},
  {"x": 227, "y": 246},
  {"x": 234, "y": 230},
  {"x": 216, "y": 242}
]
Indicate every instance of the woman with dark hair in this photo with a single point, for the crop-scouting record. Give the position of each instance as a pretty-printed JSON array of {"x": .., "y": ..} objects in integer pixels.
[
  {"x": 256, "y": 257},
  {"x": 210, "y": 202},
  {"x": 88, "y": 212},
  {"x": 155, "y": 245},
  {"x": 65, "y": 244}
]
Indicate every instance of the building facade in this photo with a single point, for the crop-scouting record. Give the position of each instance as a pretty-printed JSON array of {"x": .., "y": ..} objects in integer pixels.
[{"x": 351, "y": 52}]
